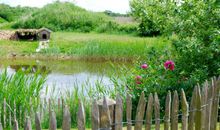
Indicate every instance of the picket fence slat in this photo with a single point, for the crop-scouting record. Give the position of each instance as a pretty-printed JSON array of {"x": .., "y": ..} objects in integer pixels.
[
  {"x": 107, "y": 114},
  {"x": 118, "y": 113},
  {"x": 128, "y": 111},
  {"x": 174, "y": 112},
  {"x": 167, "y": 112},
  {"x": 66, "y": 125},
  {"x": 215, "y": 103},
  {"x": 204, "y": 97},
  {"x": 81, "y": 117},
  {"x": 157, "y": 111},
  {"x": 37, "y": 121},
  {"x": 192, "y": 109},
  {"x": 140, "y": 112},
  {"x": 27, "y": 125},
  {"x": 185, "y": 110},
  {"x": 198, "y": 113},
  {"x": 95, "y": 116},
  {"x": 149, "y": 112},
  {"x": 53, "y": 121},
  {"x": 15, "y": 125}
]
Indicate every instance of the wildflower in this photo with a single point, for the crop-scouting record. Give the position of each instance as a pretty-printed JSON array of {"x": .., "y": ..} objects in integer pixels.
[
  {"x": 138, "y": 77},
  {"x": 138, "y": 82},
  {"x": 144, "y": 66},
  {"x": 169, "y": 64}
]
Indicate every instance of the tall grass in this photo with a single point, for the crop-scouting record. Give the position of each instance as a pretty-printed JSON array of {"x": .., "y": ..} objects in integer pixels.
[
  {"x": 103, "y": 45},
  {"x": 19, "y": 88}
]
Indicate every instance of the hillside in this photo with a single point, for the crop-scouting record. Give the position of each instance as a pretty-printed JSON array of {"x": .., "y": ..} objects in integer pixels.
[
  {"x": 63, "y": 16},
  {"x": 9, "y": 14}
]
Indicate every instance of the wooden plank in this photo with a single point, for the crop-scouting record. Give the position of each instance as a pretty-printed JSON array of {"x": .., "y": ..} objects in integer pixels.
[
  {"x": 95, "y": 116},
  {"x": 149, "y": 112},
  {"x": 157, "y": 111},
  {"x": 215, "y": 104},
  {"x": 66, "y": 125},
  {"x": 105, "y": 119},
  {"x": 185, "y": 110},
  {"x": 1, "y": 128},
  {"x": 204, "y": 104},
  {"x": 174, "y": 112},
  {"x": 27, "y": 125},
  {"x": 15, "y": 126},
  {"x": 140, "y": 112},
  {"x": 37, "y": 121},
  {"x": 81, "y": 117},
  {"x": 118, "y": 113},
  {"x": 198, "y": 114},
  {"x": 192, "y": 110},
  {"x": 209, "y": 107},
  {"x": 53, "y": 121},
  {"x": 167, "y": 112},
  {"x": 129, "y": 112}
]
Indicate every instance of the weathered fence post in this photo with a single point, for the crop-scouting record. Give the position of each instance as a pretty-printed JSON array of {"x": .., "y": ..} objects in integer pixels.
[
  {"x": 215, "y": 104},
  {"x": 175, "y": 108},
  {"x": 27, "y": 125},
  {"x": 204, "y": 104},
  {"x": 140, "y": 112},
  {"x": 129, "y": 111},
  {"x": 149, "y": 112},
  {"x": 157, "y": 111},
  {"x": 95, "y": 116},
  {"x": 118, "y": 113},
  {"x": 192, "y": 110},
  {"x": 37, "y": 121},
  {"x": 198, "y": 114},
  {"x": 15, "y": 126},
  {"x": 66, "y": 125},
  {"x": 185, "y": 110},
  {"x": 81, "y": 117},
  {"x": 167, "y": 112},
  {"x": 1, "y": 128},
  {"x": 53, "y": 121},
  {"x": 106, "y": 113}
]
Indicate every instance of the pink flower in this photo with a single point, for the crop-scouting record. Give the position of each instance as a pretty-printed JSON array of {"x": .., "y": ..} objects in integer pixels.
[
  {"x": 138, "y": 77},
  {"x": 138, "y": 82},
  {"x": 144, "y": 66},
  {"x": 169, "y": 64}
]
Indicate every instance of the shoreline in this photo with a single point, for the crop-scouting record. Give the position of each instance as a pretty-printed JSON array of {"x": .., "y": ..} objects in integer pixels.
[{"x": 66, "y": 57}]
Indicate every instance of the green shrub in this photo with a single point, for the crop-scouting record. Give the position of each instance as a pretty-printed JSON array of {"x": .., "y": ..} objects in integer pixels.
[{"x": 13, "y": 13}]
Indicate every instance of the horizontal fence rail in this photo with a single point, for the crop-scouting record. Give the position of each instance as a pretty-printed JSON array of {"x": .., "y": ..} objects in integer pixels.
[{"x": 201, "y": 113}]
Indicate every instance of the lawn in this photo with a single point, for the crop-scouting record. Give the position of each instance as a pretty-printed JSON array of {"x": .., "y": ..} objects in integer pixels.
[{"x": 72, "y": 44}]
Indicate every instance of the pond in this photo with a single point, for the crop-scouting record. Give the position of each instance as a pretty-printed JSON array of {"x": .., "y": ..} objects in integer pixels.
[{"x": 64, "y": 75}]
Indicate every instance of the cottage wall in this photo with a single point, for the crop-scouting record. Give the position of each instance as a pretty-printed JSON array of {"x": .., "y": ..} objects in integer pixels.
[{"x": 44, "y": 35}]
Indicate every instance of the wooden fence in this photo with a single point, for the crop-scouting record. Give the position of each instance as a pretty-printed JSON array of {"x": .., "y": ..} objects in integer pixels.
[{"x": 200, "y": 114}]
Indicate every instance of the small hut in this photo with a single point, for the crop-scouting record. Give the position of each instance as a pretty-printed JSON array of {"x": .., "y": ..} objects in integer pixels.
[{"x": 44, "y": 34}]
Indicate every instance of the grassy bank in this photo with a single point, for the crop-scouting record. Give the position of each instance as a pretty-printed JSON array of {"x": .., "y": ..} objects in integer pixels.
[{"x": 86, "y": 45}]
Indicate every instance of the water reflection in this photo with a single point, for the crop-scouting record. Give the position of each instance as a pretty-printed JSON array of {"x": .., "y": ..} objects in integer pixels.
[{"x": 64, "y": 75}]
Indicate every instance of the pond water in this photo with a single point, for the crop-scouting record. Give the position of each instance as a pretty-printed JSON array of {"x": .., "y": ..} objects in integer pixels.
[{"x": 64, "y": 75}]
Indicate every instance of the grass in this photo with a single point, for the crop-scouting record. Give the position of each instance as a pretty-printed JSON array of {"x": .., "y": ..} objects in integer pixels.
[{"x": 92, "y": 45}]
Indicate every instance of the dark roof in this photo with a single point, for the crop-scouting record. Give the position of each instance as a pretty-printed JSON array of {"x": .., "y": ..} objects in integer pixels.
[{"x": 44, "y": 29}]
